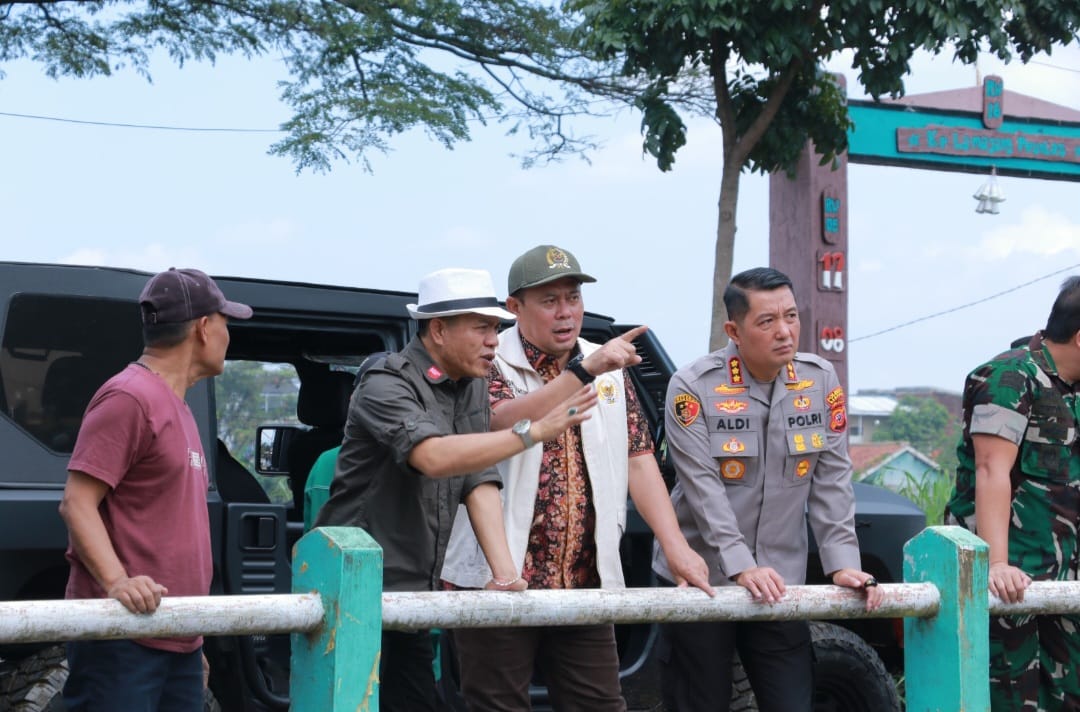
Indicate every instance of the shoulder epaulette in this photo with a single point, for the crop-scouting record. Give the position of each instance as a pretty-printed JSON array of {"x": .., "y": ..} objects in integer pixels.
[{"x": 704, "y": 364}]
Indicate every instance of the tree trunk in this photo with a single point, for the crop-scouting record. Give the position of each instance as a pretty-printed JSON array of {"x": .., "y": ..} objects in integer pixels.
[{"x": 725, "y": 249}]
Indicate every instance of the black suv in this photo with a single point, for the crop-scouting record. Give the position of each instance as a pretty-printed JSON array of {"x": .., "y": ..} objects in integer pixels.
[{"x": 281, "y": 401}]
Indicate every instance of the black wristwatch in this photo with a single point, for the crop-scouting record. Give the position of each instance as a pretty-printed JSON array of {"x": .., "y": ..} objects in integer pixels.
[
  {"x": 521, "y": 429},
  {"x": 574, "y": 366}
]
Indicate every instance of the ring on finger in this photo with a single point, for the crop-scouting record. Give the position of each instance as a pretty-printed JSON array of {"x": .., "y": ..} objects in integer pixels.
[{"x": 572, "y": 412}]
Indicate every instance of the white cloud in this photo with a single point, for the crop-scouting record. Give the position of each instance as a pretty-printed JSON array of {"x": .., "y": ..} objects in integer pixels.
[
  {"x": 152, "y": 258},
  {"x": 1039, "y": 232},
  {"x": 85, "y": 256}
]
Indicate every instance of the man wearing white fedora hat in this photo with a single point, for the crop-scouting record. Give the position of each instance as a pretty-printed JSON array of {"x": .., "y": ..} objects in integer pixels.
[{"x": 417, "y": 444}]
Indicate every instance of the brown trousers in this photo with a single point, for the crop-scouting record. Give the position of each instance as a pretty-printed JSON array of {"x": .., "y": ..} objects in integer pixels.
[{"x": 579, "y": 665}]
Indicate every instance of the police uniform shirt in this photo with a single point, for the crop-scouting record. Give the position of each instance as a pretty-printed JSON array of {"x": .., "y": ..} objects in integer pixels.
[{"x": 752, "y": 466}]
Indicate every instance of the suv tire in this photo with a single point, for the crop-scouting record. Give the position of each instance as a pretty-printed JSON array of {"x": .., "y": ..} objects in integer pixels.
[
  {"x": 35, "y": 683},
  {"x": 848, "y": 675}
]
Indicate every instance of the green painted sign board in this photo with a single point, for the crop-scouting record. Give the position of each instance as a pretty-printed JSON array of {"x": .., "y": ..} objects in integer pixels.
[{"x": 898, "y": 135}]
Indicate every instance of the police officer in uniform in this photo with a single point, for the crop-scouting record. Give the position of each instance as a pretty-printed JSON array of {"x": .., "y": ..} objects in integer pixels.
[
  {"x": 1018, "y": 488},
  {"x": 756, "y": 432}
]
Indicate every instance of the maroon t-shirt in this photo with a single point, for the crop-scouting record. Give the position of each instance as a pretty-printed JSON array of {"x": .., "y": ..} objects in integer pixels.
[{"x": 141, "y": 440}]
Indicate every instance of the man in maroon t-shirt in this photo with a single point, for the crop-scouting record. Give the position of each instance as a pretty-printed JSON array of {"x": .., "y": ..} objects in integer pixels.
[{"x": 135, "y": 500}]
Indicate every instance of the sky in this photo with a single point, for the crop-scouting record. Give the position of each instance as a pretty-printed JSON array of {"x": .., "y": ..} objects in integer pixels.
[{"x": 152, "y": 199}]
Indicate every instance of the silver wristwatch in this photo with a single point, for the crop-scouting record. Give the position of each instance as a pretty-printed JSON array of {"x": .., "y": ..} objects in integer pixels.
[{"x": 521, "y": 429}]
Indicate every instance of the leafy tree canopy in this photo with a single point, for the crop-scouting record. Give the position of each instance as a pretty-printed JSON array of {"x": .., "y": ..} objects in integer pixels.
[
  {"x": 761, "y": 60},
  {"x": 755, "y": 68},
  {"x": 926, "y": 424},
  {"x": 359, "y": 71}
]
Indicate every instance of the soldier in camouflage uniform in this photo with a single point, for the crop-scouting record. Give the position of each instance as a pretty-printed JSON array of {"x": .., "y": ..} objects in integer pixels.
[{"x": 1018, "y": 487}]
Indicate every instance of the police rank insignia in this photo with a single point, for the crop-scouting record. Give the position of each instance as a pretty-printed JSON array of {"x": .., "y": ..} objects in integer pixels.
[
  {"x": 606, "y": 390},
  {"x": 802, "y": 467},
  {"x": 686, "y": 409},
  {"x": 792, "y": 378},
  {"x": 727, "y": 390},
  {"x": 734, "y": 366},
  {"x": 732, "y": 469},
  {"x": 731, "y": 406},
  {"x": 734, "y": 445}
]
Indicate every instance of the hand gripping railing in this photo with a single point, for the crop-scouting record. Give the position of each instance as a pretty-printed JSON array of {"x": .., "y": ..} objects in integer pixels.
[{"x": 338, "y": 617}]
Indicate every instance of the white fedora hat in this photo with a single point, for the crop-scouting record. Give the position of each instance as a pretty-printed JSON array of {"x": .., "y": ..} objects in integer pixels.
[{"x": 457, "y": 291}]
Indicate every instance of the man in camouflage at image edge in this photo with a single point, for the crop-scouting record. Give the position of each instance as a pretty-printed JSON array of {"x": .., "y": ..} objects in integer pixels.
[{"x": 1026, "y": 398}]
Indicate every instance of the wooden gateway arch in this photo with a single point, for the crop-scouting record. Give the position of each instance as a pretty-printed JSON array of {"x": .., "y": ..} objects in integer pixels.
[{"x": 976, "y": 130}]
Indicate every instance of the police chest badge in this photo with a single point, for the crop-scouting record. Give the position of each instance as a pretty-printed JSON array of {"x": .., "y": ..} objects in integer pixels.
[
  {"x": 686, "y": 409},
  {"x": 733, "y": 446},
  {"x": 731, "y": 406},
  {"x": 732, "y": 469}
]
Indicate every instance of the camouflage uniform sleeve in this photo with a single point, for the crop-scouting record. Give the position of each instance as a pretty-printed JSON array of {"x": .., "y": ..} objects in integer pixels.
[{"x": 1000, "y": 401}]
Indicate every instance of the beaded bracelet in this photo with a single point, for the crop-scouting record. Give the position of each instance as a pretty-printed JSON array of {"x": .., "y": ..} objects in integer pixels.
[{"x": 505, "y": 584}]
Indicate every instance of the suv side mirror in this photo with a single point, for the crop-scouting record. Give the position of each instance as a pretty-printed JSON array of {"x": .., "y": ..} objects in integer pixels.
[{"x": 271, "y": 447}]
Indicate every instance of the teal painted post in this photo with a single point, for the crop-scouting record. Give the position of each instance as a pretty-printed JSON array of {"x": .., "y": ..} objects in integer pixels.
[
  {"x": 946, "y": 662},
  {"x": 336, "y": 667}
]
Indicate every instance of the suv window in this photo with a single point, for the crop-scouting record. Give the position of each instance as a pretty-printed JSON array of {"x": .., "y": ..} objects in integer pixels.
[
  {"x": 253, "y": 393},
  {"x": 56, "y": 352}
]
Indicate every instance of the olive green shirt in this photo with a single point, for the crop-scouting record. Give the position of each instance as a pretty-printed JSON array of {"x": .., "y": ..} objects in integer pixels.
[{"x": 399, "y": 404}]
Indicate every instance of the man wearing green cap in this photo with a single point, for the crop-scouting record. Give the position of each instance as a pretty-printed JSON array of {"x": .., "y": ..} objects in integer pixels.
[{"x": 564, "y": 503}]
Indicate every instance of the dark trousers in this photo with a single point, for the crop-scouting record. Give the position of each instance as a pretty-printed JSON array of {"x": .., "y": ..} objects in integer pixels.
[
  {"x": 696, "y": 659},
  {"x": 580, "y": 665},
  {"x": 112, "y": 675},
  {"x": 406, "y": 678}
]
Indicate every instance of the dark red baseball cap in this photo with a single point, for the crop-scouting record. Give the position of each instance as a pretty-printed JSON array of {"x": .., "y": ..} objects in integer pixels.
[{"x": 179, "y": 295}]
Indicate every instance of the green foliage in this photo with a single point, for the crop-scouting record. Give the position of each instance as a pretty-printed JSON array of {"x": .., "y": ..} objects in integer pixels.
[
  {"x": 761, "y": 59},
  {"x": 359, "y": 72},
  {"x": 931, "y": 494},
  {"x": 754, "y": 66},
  {"x": 927, "y": 425}
]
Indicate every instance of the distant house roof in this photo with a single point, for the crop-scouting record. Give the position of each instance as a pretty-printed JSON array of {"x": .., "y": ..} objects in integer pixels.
[
  {"x": 868, "y": 459},
  {"x": 865, "y": 455},
  {"x": 880, "y": 406}
]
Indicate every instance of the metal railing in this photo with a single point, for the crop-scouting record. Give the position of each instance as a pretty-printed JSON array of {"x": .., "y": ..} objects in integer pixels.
[{"x": 337, "y": 625}]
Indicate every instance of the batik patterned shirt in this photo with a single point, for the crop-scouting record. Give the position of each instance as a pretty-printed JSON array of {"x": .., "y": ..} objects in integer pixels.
[{"x": 561, "y": 551}]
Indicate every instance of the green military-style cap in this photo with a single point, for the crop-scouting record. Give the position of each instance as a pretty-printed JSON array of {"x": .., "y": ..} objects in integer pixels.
[{"x": 543, "y": 264}]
